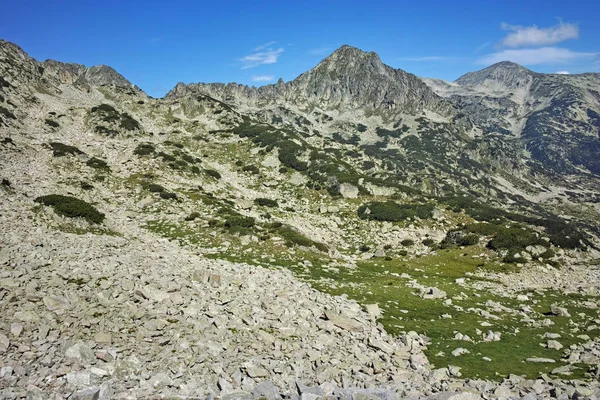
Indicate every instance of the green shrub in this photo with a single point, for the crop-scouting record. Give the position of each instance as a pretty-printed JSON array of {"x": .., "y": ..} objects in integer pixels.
[
  {"x": 129, "y": 123},
  {"x": 106, "y": 108},
  {"x": 403, "y": 253},
  {"x": 213, "y": 173},
  {"x": 144, "y": 149},
  {"x": 407, "y": 242},
  {"x": 239, "y": 221},
  {"x": 253, "y": 169},
  {"x": 515, "y": 238},
  {"x": 86, "y": 186},
  {"x": 293, "y": 237},
  {"x": 189, "y": 159},
  {"x": 549, "y": 253},
  {"x": 105, "y": 131},
  {"x": 166, "y": 157},
  {"x": 195, "y": 169},
  {"x": 167, "y": 195},
  {"x": 192, "y": 216},
  {"x": 428, "y": 242},
  {"x": 468, "y": 240},
  {"x": 61, "y": 149},
  {"x": 155, "y": 188},
  {"x": 394, "y": 212},
  {"x": 261, "y": 201},
  {"x": 484, "y": 228},
  {"x": 510, "y": 258},
  {"x": 52, "y": 123},
  {"x": 4, "y": 111},
  {"x": 72, "y": 207},
  {"x": 97, "y": 163}
]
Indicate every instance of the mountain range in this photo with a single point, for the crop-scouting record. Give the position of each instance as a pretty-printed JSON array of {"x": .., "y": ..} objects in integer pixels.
[{"x": 439, "y": 207}]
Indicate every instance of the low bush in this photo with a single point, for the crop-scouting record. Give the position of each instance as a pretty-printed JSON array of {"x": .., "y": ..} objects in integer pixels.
[
  {"x": 239, "y": 221},
  {"x": 72, "y": 207},
  {"x": 61, "y": 149},
  {"x": 168, "y": 196},
  {"x": 52, "y": 123},
  {"x": 213, "y": 173},
  {"x": 97, "y": 163},
  {"x": 407, "y": 242},
  {"x": 129, "y": 123},
  {"x": 293, "y": 237},
  {"x": 155, "y": 188},
  {"x": 192, "y": 216},
  {"x": 105, "y": 131},
  {"x": 261, "y": 201},
  {"x": 515, "y": 238},
  {"x": 429, "y": 242},
  {"x": 144, "y": 149},
  {"x": 394, "y": 212},
  {"x": 253, "y": 169}
]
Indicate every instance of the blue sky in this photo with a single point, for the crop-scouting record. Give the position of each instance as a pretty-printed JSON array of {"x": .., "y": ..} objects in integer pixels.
[{"x": 156, "y": 44}]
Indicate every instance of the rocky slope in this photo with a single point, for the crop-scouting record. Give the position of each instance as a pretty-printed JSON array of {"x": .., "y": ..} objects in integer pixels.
[
  {"x": 555, "y": 117},
  {"x": 174, "y": 247}
]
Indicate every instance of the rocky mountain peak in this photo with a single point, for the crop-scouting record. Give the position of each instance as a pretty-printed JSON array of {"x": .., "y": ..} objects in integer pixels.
[
  {"x": 346, "y": 81},
  {"x": 507, "y": 74}
]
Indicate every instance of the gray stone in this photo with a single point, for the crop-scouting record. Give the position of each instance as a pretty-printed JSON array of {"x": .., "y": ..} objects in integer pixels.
[
  {"x": 433, "y": 293},
  {"x": 344, "y": 322},
  {"x": 79, "y": 379},
  {"x": 559, "y": 311},
  {"x": 256, "y": 372},
  {"x": 86, "y": 394},
  {"x": 348, "y": 191},
  {"x": 4, "y": 343},
  {"x": 303, "y": 389},
  {"x": 454, "y": 396},
  {"x": 266, "y": 390},
  {"x": 373, "y": 310},
  {"x": 80, "y": 352},
  {"x": 540, "y": 360},
  {"x": 16, "y": 329},
  {"x": 553, "y": 344},
  {"x": 55, "y": 303},
  {"x": 381, "y": 345},
  {"x": 241, "y": 395}
]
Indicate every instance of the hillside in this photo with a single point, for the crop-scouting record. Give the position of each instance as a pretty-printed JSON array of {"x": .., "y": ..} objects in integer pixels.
[{"x": 358, "y": 230}]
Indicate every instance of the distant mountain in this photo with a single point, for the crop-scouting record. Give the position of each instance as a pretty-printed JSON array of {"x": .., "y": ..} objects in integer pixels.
[
  {"x": 348, "y": 80},
  {"x": 556, "y": 117},
  {"x": 55, "y": 73}
]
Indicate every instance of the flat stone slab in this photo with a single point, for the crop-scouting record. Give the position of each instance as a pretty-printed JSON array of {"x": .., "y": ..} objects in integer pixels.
[{"x": 540, "y": 360}]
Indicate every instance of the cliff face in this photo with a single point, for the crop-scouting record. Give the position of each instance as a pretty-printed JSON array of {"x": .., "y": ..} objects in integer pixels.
[{"x": 349, "y": 79}]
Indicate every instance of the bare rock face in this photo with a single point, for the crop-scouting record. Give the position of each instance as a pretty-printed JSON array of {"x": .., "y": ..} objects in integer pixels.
[
  {"x": 555, "y": 117},
  {"x": 348, "y": 79}
]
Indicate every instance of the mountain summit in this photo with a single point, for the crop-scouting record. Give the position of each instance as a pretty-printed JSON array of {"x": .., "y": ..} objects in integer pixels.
[
  {"x": 347, "y": 80},
  {"x": 505, "y": 74}
]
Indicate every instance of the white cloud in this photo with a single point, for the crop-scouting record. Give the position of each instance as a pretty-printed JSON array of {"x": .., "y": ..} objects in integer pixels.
[
  {"x": 481, "y": 47},
  {"x": 542, "y": 55},
  {"x": 320, "y": 51},
  {"x": 427, "y": 58},
  {"x": 268, "y": 56},
  {"x": 263, "y": 78},
  {"x": 264, "y": 46},
  {"x": 563, "y": 72},
  {"x": 520, "y": 36}
]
